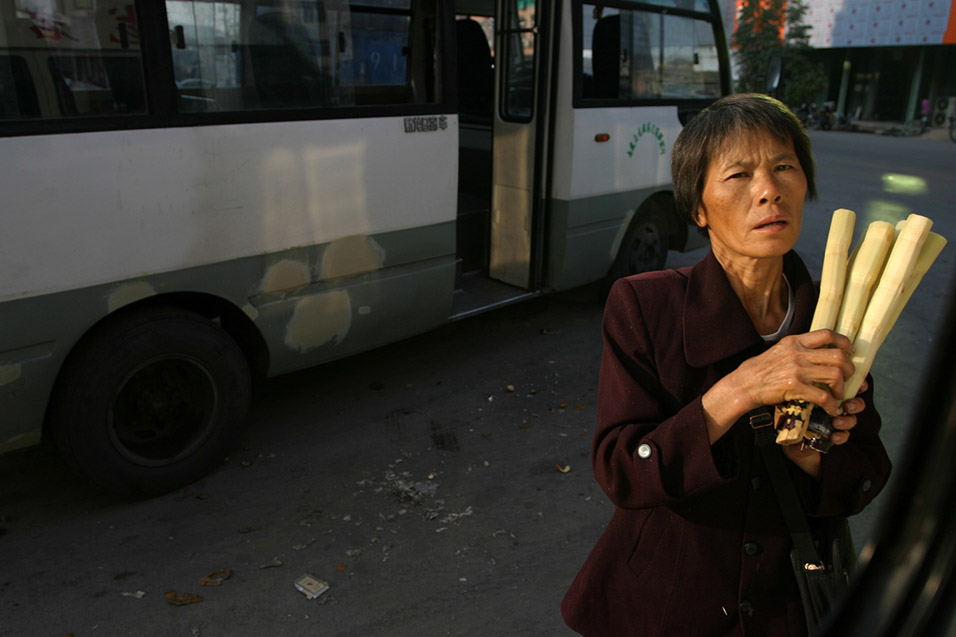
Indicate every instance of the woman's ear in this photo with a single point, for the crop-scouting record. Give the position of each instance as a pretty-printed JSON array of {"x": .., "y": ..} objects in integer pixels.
[{"x": 701, "y": 217}]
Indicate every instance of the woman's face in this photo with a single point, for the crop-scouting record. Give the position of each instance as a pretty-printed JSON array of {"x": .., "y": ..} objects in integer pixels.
[{"x": 752, "y": 204}]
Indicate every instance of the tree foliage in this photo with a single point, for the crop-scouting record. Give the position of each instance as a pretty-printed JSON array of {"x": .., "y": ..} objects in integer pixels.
[{"x": 769, "y": 28}]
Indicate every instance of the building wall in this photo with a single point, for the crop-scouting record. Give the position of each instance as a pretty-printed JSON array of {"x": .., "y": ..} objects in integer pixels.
[
  {"x": 883, "y": 57},
  {"x": 878, "y": 23}
]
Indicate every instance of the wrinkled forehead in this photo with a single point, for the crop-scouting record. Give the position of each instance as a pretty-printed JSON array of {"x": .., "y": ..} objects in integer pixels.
[{"x": 741, "y": 142}]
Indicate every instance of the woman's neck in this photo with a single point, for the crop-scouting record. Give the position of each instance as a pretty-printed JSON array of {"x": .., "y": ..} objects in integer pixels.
[{"x": 761, "y": 288}]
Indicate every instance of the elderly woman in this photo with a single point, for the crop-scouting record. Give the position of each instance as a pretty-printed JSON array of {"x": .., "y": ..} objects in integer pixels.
[{"x": 697, "y": 544}]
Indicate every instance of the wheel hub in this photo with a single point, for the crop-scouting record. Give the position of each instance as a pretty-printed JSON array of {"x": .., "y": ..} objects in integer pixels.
[{"x": 163, "y": 410}]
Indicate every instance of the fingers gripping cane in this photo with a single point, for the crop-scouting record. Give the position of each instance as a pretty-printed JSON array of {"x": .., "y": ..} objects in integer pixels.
[{"x": 861, "y": 297}]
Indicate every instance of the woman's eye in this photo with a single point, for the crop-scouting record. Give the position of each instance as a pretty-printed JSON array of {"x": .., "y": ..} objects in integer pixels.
[{"x": 783, "y": 167}]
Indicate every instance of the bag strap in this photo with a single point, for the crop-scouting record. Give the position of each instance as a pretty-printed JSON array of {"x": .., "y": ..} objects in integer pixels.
[{"x": 761, "y": 421}]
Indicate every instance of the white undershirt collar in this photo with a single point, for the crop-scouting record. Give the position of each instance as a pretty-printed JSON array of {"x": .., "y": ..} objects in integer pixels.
[{"x": 787, "y": 320}]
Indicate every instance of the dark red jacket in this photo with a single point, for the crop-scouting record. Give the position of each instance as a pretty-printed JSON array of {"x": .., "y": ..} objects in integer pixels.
[{"x": 697, "y": 545}]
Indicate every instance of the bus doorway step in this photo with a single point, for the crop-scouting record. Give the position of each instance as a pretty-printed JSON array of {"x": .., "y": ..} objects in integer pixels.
[{"x": 478, "y": 293}]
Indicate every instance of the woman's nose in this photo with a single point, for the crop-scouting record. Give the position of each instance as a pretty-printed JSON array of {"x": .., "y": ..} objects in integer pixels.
[{"x": 767, "y": 189}]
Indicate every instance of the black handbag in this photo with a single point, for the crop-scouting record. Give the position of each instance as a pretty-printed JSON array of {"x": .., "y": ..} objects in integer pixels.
[{"x": 822, "y": 566}]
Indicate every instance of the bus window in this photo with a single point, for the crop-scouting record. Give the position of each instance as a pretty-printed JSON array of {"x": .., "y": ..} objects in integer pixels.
[
  {"x": 642, "y": 54},
  {"x": 519, "y": 44},
  {"x": 689, "y": 64},
  {"x": 72, "y": 63},
  {"x": 232, "y": 55},
  {"x": 476, "y": 70}
]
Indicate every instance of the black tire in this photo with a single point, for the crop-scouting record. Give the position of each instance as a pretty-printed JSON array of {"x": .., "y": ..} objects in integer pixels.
[
  {"x": 150, "y": 401},
  {"x": 644, "y": 247}
]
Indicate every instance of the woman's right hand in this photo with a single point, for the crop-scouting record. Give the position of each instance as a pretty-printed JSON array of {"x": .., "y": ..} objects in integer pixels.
[{"x": 811, "y": 367}]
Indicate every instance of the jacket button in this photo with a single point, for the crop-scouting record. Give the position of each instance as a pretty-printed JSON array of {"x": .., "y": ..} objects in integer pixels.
[
  {"x": 644, "y": 451},
  {"x": 866, "y": 485},
  {"x": 751, "y": 548},
  {"x": 756, "y": 482},
  {"x": 746, "y": 607}
]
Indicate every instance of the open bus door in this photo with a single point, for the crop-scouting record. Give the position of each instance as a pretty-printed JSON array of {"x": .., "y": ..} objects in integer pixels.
[
  {"x": 500, "y": 154},
  {"x": 514, "y": 145}
]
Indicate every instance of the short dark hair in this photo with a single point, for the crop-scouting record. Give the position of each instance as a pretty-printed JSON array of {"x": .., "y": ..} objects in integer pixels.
[{"x": 732, "y": 116}]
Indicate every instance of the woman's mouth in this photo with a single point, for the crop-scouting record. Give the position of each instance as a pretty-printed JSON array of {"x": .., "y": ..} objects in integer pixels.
[{"x": 773, "y": 223}]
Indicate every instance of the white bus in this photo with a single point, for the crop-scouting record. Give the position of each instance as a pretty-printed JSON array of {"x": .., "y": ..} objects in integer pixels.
[{"x": 197, "y": 193}]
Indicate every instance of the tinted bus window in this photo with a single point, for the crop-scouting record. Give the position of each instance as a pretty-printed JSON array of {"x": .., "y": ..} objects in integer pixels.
[
  {"x": 56, "y": 63},
  {"x": 519, "y": 38},
  {"x": 231, "y": 56}
]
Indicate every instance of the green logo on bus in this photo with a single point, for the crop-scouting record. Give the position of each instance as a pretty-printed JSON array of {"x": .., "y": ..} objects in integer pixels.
[{"x": 653, "y": 129}]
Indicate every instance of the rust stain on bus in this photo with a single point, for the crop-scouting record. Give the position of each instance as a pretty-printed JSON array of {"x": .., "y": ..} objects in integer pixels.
[
  {"x": 348, "y": 256},
  {"x": 319, "y": 319},
  {"x": 285, "y": 275}
]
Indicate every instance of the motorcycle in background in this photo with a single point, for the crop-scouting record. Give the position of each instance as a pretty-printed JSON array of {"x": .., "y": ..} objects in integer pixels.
[
  {"x": 812, "y": 116},
  {"x": 825, "y": 116}
]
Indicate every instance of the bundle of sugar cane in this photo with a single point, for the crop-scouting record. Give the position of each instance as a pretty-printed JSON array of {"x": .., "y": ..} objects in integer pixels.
[
  {"x": 892, "y": 259},
  {"x": 794, "y": 415}
]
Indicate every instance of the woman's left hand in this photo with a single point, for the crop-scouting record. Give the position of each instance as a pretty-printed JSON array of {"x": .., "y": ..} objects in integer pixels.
[{"x": 808, "y": 459}]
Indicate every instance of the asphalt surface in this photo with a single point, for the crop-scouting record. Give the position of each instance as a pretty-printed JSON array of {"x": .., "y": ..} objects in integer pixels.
[{"x": 420, "y": 480}]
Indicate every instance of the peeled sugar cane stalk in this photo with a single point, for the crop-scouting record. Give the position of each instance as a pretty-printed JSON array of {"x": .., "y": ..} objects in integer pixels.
[
  {"x": 927, "y": 256},
  {"x": 864, "y": 270},
  {"x": 833, "y": 276},
  {"x": 792, "y": 417},
  {"x": 885, "y": 305}
]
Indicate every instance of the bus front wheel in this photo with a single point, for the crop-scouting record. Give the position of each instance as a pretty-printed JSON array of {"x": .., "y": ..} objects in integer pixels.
[
  {"x": 644, "y": 247},
  {"x": 151, "y": 401}
]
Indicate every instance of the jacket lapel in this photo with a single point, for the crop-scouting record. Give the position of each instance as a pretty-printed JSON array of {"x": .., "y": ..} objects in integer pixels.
[
  {"x": 716, "y": 325},
  {"x": 805, "y": 292}
]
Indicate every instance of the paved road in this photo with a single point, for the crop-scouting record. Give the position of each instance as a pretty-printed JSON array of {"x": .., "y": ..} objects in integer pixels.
[{"x": 412, "y": 478}]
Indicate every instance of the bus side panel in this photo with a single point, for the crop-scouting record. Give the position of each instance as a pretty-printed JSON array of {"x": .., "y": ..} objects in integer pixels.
[
  {"x": 598, "y": 185},
  {"x": 332, "y": 237},
  {"x": 25, "y": 379},
  {"x": 304, "y": 324},
  {"x": 91, "y": 208},
  {"x": 332, "y": 318},
  {"x": 637, "y": 155},
  {"x": 584, "y": 235}
]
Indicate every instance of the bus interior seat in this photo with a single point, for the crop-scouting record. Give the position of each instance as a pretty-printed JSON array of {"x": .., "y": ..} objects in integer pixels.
[
  {"x": 64, "y": 94},
  {"x": 283, "y": 62},
  {"x": 476, "y": 82},
  {"x": 606, "y": 57},
  {"x": 125, "y": 73},
  {"x": 18, "y": 95},
  {"x": 23, "y": 30}
]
